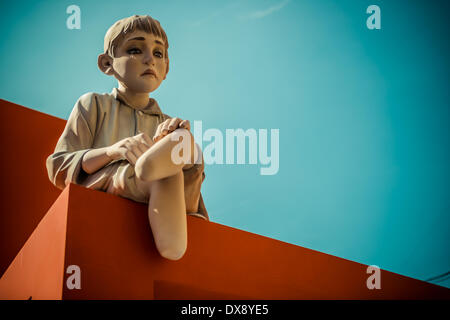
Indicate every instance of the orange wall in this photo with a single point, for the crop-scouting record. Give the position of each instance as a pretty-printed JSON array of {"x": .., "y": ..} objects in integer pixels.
[{"x": 28, "y": 137}]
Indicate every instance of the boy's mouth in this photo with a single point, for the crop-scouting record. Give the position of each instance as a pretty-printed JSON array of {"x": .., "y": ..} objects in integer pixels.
[{"x": 149, "y": 72}]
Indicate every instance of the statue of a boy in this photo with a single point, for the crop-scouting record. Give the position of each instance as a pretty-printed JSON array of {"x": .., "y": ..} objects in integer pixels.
[{"x": 121, "y": 143}]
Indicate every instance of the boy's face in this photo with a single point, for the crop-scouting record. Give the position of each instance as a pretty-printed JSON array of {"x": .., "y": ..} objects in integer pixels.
[{"x": 139, "y": 63}]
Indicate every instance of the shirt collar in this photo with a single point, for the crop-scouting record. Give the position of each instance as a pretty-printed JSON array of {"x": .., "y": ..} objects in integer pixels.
[{"x": 152, "y": 107}]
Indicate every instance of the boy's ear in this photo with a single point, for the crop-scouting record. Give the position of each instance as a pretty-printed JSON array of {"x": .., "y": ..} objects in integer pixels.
[
  {"x": 167, "y": 69},
  {"x": 105, "y": 64}
]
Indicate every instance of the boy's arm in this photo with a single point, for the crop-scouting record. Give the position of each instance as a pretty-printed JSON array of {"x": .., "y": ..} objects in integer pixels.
[
  {"x": 64, "y": 165},
  {"x": 95, "y": 159}
]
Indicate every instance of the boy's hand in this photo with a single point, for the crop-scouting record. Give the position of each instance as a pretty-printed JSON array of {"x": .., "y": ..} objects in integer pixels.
[
  {"x": 130, "y": 148},
  {"x": 169, "y": 126}
]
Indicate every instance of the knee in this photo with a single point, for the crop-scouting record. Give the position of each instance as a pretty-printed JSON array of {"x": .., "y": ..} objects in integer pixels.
[
  {"x": 144, "y": 169},
  {"x": 173, "y": 253},
  {"x": 188, "y": 144}
]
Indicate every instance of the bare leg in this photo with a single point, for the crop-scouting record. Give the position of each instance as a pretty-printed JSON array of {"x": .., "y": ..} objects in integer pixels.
[
  {"x": 156, "y": 163},
  {"x": 167, "y": 206},
  {"x": 167, "y": 216}
]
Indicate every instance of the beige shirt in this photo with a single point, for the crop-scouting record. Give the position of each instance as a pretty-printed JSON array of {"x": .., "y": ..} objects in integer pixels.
[{"x": 100, "y": 120}]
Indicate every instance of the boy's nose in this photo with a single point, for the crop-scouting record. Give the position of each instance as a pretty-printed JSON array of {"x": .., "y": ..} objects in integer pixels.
[{"x": 147, "y": 58}]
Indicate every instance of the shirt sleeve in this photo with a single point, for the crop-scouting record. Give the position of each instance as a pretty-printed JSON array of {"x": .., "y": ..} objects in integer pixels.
[{"x": 64, "y": 165}]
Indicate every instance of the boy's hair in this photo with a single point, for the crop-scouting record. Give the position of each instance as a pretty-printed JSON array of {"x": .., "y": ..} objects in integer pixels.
[{"x": 117, "y": 32}]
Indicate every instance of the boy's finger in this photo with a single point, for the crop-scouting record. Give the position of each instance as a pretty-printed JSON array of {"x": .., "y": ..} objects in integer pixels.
[
  {"x": 165, "y": 127},
  {"x": 143, "y": 138},
  {"x": 136, "y": 151},
  {"x": 174, "y": 123},
  {"x": 147, "y": 140},
  {"x": 185, "y": 124},
  {"x": 157, "y": 138},
  {"x": 130, "y": 157},
  {"x": 142, "y": 142},
  {"x": 159, "y": 129},
  {"x": 143, "y": 147}
]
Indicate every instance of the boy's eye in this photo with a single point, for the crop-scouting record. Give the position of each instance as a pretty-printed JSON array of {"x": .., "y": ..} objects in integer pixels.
[
  {"x": 133, "y": 51},
  {"x": 159, "y": 54}
]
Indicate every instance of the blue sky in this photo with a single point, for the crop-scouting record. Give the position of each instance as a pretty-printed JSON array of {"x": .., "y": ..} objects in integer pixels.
[{"x": 363, "y": 114}]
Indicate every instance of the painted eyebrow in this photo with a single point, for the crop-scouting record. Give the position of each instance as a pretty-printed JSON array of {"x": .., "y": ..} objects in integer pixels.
[{"x": 143, "y": 39}]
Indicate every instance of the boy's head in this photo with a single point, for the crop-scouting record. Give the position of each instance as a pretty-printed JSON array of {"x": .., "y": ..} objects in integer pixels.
[{"x": 136, "y": 53}]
